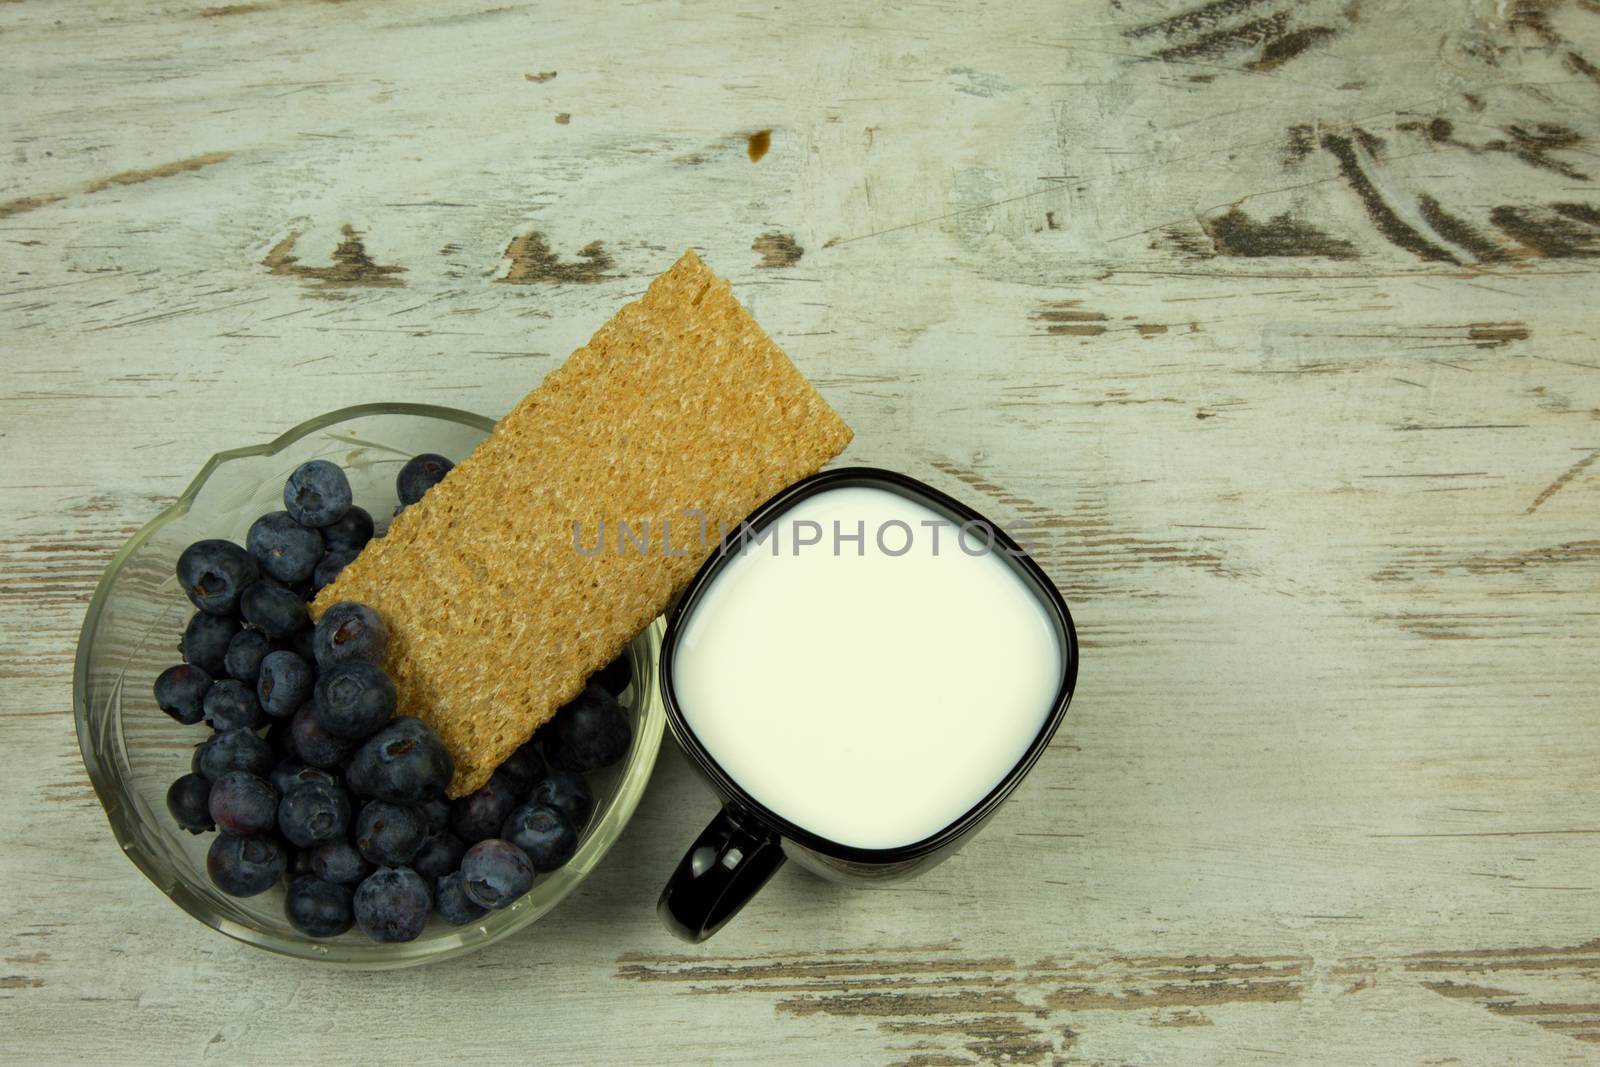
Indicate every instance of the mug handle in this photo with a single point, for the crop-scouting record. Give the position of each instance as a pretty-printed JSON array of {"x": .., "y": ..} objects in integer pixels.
[{"x": 719, "y": 874}]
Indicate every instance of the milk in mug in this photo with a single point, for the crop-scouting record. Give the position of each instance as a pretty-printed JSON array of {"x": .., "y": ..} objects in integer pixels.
[{"x": 868, "y": 697}]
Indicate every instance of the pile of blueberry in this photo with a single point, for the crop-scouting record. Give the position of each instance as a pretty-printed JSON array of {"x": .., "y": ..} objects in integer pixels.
[{"x": 308, "y": 775}]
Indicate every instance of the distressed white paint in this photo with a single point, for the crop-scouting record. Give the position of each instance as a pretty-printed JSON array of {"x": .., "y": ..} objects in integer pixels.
[{"x": 1336, "y": 728}]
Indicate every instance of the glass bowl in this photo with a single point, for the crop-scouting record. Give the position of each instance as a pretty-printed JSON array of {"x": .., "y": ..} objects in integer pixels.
[{"x": 133, "y": 751}]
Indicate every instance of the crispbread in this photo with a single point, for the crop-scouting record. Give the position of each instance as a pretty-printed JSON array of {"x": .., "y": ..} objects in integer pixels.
[{"x": 498, "y": 605}]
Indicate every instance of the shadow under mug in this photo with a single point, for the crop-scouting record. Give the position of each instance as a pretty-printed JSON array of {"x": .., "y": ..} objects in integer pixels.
[{"x": 746, "y": 843}]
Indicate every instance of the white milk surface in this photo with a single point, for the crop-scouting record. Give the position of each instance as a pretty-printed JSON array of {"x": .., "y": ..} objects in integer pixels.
[{"x": 872, "y": 699}]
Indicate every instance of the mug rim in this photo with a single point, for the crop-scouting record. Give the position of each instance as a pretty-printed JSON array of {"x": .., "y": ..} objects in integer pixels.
[{"x": 745, "y": 806}]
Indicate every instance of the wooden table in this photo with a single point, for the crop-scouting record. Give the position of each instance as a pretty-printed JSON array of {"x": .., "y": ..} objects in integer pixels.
[{"x": 1275, "y": 320}]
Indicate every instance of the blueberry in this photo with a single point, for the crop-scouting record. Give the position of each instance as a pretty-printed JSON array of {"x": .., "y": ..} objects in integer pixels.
[
  {"x": 231, "y": 705},
  {"x": 292, "y": 773},
  {"x": 214, "y": 573},
  {"x": 189, "y": 801},
  {"x": 439, "y": 855},
  {"x": 299, "y": 643},
  {"x": 354, "y": 699},
  {"x": 615, "y": 676},
  {"x": 234, "y": 750},
  {"x": 315, "y": 745},
  {"x": 286, "y": 682},
  {"x": 273, "y": 609},
  {"x": 392, "y": 904},
  {"x": 420, "y": 474},
  {"x": 436, "y": 813},
  {"x": 404, "y": 763},
  {"x": 349, "y": 534},
  {"x": 495, "y": 873},
  {"x": 453, "y": 903},
  {"x": 523, "y": 768},
  {"x": 329, "y": 568},
  {"x": 205, "y": 642},
  {"x": 245, "y": 866},
  {"x": 317, "y": 908},
  {"x": 245, "y": 653},
  {"x": 388, "y": 834},
  {"x": 180, "y": 692},
  {"x": 479, "y": 815},
  {"x": 244, "y": 804},
  {"x": 280, "y": 739},
  {"x": 317, "y": 493},
  {"x": 299, "y": 863},
  {"x": 339, "y": 861},
  {"x": 313, "y": 813},
  {"x": 348, "y": 631},
  {"x": 590, "y": 732},
  {"x": 544, "y": 834},
  {"x": 283, "y": 548},
  {"x": 568, "y": 793}
]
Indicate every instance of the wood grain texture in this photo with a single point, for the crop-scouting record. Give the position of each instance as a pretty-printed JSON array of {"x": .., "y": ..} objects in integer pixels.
[{"x": 1274, "y": 321}]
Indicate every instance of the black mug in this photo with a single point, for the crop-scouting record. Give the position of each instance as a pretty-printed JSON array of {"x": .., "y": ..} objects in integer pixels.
[{"x": 746, "y": 842}]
